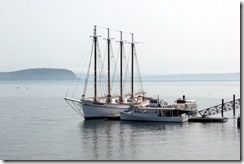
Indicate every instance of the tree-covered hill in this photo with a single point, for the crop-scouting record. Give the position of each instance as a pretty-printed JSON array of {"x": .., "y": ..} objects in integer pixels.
[{"x": 38, "y": 74}]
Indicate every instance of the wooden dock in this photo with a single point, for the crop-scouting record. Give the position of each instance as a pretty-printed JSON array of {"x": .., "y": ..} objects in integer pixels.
[
  {"x": 192, "y": 119},
  {"x": 207, "y": 119}
]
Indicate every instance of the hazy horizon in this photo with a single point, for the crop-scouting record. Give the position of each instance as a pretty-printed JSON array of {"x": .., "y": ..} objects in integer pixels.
[
  {"x": 78, "y": 73},
  {"x": 65, "y": 74},
  {"x": 179, "y": 37}
]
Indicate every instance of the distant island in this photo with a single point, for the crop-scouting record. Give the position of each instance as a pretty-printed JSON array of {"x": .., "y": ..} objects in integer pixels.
[
  {"x": 38, "y": 74},
  {"x": 64, "y": 74}
]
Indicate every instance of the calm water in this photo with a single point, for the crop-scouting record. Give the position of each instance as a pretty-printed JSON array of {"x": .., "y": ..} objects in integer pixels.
[{"x": 37, "y": 124}]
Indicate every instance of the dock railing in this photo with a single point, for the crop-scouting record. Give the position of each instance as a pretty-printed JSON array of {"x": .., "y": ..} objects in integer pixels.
[{"x": 221, "y": 108}]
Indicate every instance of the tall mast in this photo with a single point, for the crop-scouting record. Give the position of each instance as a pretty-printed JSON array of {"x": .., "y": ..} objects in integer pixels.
[
  {"x": 109, "y": 95},
  {"x": 121, "y": 67},
  {"x": 95, "y": 63},
  {"x": 132, "y": 66}
]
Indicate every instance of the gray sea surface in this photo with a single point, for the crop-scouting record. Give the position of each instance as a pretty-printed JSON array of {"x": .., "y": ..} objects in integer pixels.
[{"x": 37, "y": 124}]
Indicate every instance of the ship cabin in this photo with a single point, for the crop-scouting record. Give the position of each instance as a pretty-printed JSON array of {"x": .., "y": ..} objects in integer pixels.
[
  {"x": 157, "y": 103},
  {"x": 185, "y": 104}
]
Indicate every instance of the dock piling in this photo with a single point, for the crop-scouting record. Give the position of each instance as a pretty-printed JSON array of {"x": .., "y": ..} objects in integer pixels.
[
  {"x": 222, "y": 111},
  {"x": 238, "y": 122},
  {"x": 234, "y": 112}
]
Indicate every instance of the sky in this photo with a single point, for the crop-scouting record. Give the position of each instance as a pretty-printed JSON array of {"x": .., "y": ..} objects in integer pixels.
[{"x": 178, "y": 36}]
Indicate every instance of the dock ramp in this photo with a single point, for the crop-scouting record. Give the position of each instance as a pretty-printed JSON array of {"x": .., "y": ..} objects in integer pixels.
[{"x": 230, "y": 105}]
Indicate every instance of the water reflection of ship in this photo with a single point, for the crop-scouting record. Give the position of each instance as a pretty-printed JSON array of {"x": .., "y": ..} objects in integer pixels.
[
  {"x": 107, "y": 140},
  {"x": 100, "y": 134}
]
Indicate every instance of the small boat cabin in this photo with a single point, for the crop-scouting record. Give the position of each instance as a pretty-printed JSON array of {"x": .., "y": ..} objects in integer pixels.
[{"x": 157, "y": 103}]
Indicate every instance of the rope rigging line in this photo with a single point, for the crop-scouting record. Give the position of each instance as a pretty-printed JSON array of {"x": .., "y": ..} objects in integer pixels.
[
  {"x": 99, "y": 66},
  {"x": 138, "y": 68},
  {"x": 79, "y": 78},
  {"x": 126, "y": 73},
  {"x": 88, "y": 72},
  {"x": 76, "y": 71},
  {"x": 103, "y": 75},
  {"x": 101, "y": 71},
  {"x": 115, "y": 72},
  {"x": 75, "y": 108}
]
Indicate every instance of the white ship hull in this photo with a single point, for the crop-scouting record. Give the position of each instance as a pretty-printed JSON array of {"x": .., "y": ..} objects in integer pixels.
[
  {"x": 100, "y": 110},
  {"x": 92, "y": 110},
  {"x": 146, "y": 117}
]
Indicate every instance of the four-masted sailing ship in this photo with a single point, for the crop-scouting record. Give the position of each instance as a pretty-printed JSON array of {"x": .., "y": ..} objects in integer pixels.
[{"x": 108, "y": 105}]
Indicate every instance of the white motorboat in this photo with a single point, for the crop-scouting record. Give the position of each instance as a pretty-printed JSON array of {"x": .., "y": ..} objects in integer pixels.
[
  {"x": 187, "y": 106},
  {"x": 156, "y": 111}
]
